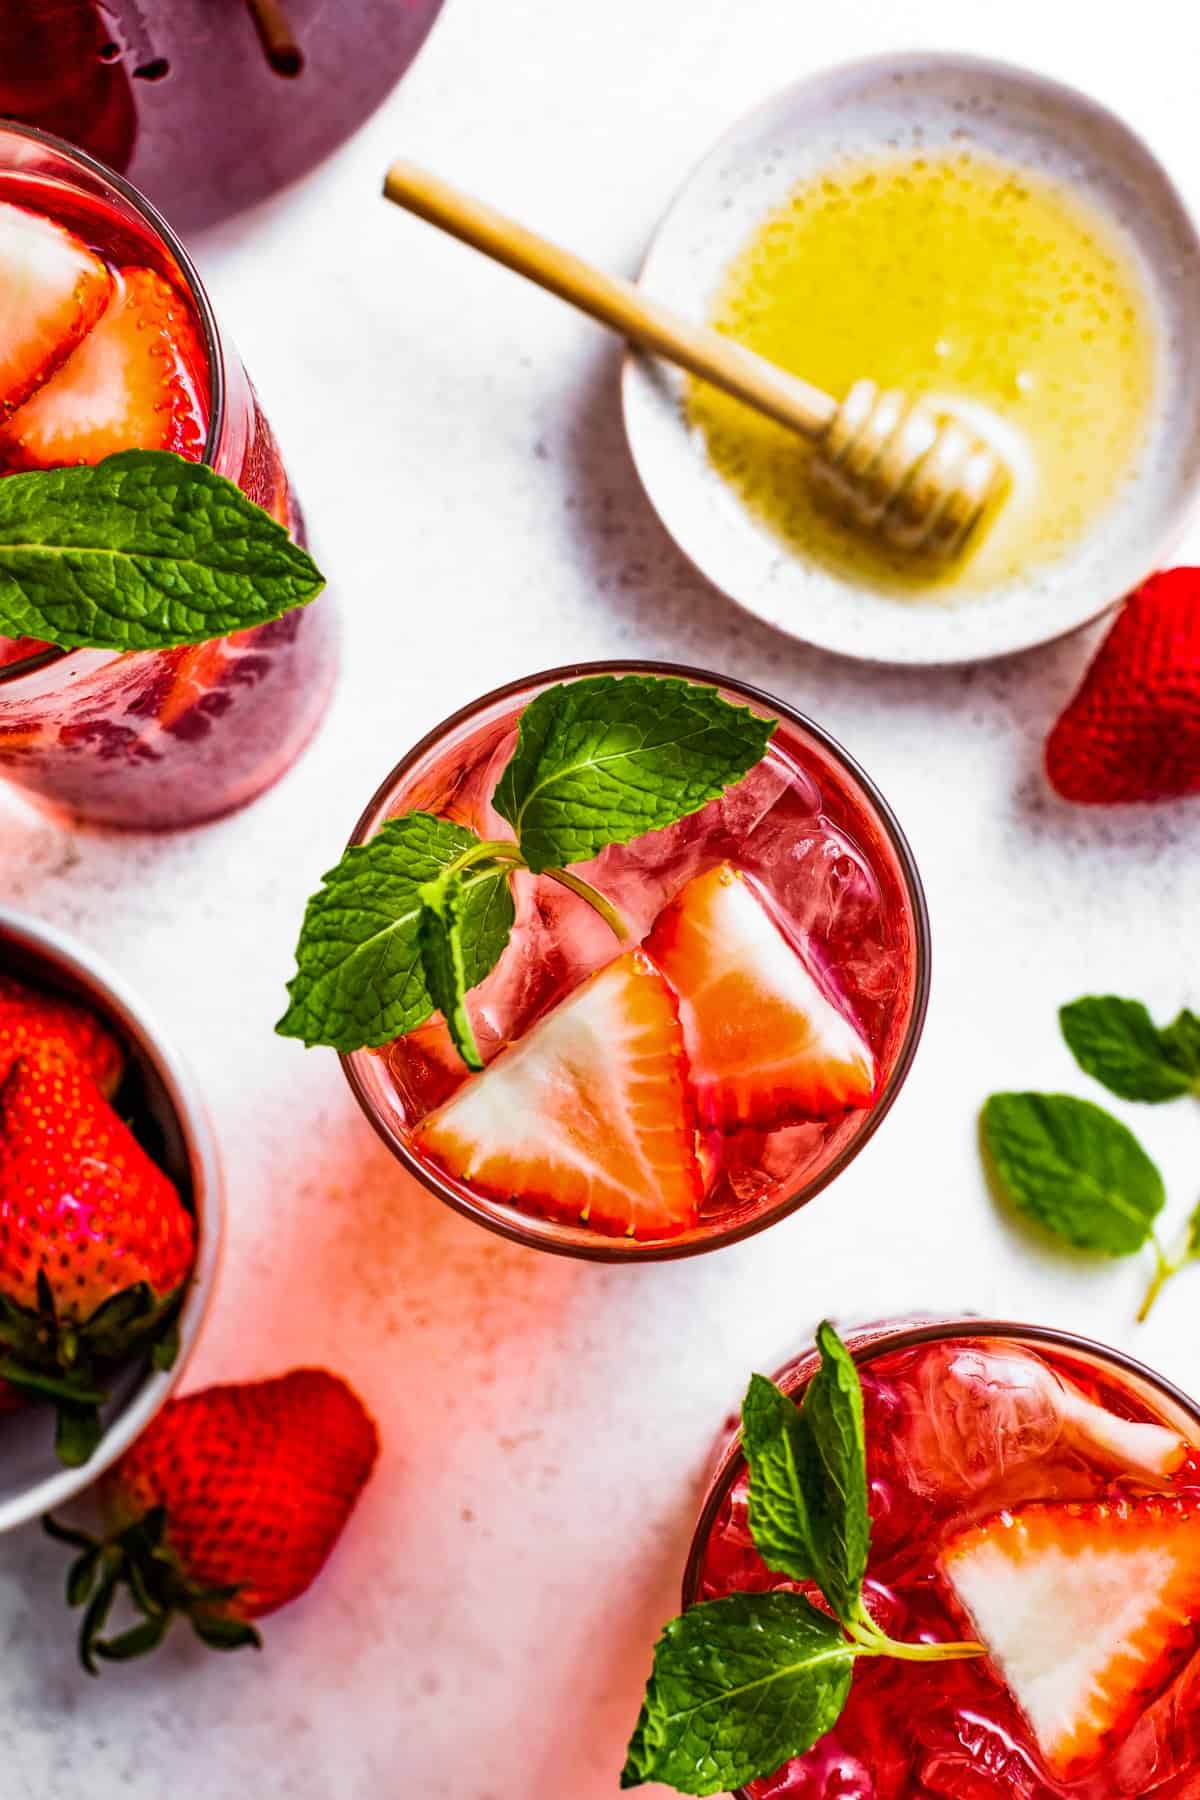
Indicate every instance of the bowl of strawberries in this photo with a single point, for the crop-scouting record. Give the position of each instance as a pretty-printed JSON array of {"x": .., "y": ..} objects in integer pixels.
[{"x": 111, "y": 1211}]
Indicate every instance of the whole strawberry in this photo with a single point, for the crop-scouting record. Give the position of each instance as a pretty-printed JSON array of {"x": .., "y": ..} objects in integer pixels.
[
  {"x": 1132, "y": 732},
  {"x": 224, "y": 1510},
  {"x": 95, "y": 1245},
  {"x": 33, "y": 1023}
]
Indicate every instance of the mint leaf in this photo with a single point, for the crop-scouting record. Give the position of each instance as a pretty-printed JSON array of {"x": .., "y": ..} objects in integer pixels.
[
  {"x": 602, "y": 760},
  {"x": 808, "y": 1477},
  {"x": 832, "y": 1417},
  {"x": 141, "y": 551},
  {"x": 1193, "y": 1234},
  {"x": 738, "y": 1687},
  {"x": 1118, "y": 1043},
  {"x": 1181, "y": 1042},
  {"x": 1073, "y": 1168},
  {"x": 440, "y": 941},
  {"x": 360, "y": 980},
  {"x": 776, "y": 1450}
]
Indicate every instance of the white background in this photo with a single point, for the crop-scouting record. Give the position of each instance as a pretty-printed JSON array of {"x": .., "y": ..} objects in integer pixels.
[{"x": 484, "y": 1629}]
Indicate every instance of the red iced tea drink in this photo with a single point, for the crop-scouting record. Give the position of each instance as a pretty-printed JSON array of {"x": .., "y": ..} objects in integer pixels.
[
  {"x": 1043, "y": 1495},
  {"x": 109, "y": 344},
  {"x": 719, "y": 1062}
]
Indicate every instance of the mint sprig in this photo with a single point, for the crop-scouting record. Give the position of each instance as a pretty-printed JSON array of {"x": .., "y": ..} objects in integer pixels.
[
  {"x": 1072, "y": 1167},
  {"x": 407, "y": 924},
  {"x": 808, "y": 1484},
  {"x": 1118, "y": 1043},
  {"x": 361, "y": 978},
  {"x": 444, "y": 903},
  {"x": 141, "y": 552},
  {"x": 741, "y": 1685},
  {"x": 601, "y": 761}
]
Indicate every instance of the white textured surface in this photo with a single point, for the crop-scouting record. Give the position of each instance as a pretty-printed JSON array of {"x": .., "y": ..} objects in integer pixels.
[{"x": 484, "y": 1629}]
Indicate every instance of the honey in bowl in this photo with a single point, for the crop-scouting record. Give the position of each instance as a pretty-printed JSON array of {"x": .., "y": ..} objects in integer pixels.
[{"x": 997, "y": 293}]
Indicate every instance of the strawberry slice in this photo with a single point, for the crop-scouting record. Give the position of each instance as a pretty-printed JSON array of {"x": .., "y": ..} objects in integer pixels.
[
  {"x": 133, "y": 384},
  {"x": 52, "y": 291},
  {"x": 586, "y": 1119},
  {"x": 1087, "y": 1610},
  {"x": 765, "y": 1043}
]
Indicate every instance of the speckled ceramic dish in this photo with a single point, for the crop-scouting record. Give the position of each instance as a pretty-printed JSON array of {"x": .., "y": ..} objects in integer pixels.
[
  {"x": 161, "y": 1096},
  {"x": 930, "y": 102}
]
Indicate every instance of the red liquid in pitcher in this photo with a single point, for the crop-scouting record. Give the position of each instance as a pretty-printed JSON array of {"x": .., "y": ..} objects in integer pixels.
[
  {"x": 957, "y": 1432},
  {"x": 105, "y": 351}
]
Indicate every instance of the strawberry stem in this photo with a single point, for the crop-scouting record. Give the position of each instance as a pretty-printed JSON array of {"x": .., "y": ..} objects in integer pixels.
[{"x": 608, "y": 912}]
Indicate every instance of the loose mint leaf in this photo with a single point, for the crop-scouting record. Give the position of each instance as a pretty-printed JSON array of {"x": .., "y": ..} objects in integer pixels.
[
  {"x": 1073, "y": 1168},
  {"x": 140, "y": 551},
  {"x": 602, "y": 760},
  {"x": 1118, "y": 1043},
  {"x": 360, "y": 980},
  {"x": 836, "y": 1474},
  {"x": 1193, "y": 1233},
  {"x": 439, "y": 938},
  {"x": 1181, "y": 1042},
  {"x": 738, "y": 1687}
]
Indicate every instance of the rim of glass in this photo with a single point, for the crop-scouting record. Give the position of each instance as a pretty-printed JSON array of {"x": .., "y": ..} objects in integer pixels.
[
  {"x": 33, "y": 665},
  {"x": 905, "y": 1337},
  {"x": 610, "y": 1250}
]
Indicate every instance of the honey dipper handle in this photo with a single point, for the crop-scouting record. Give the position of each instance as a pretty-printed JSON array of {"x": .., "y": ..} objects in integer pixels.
[{"x": 613, "y": 301}]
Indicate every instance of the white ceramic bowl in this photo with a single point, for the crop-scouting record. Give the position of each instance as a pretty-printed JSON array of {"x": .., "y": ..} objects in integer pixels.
[
  {"x": 859, "y": 109},
  {"x": 31, "y": 1478}
]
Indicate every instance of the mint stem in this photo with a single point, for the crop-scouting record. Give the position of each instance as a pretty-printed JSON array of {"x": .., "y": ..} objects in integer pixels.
[
  {"x": 594, "y": 898},
  {"x": 501, "y": 850},
  {"x": 1166, "y": 1264},
  {"x": 869, "y": 1640}
]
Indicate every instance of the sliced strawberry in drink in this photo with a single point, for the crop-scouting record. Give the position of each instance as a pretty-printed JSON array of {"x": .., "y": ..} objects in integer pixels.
[
  {"x": 133, "y": 384},
  {"x": 586, "y": 1118},
  {"x": 766, "y": 1045},
  {"x": 1087, "y": 1611},
  {"x": 52, "y": 291}
]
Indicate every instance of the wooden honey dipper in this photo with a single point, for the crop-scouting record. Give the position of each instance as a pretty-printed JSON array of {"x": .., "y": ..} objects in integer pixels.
[{"x": 919, "y": 479}]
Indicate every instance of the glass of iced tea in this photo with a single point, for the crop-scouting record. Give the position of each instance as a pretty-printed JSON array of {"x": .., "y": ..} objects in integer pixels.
[
  {"x": 1043, "y": 1492},
  {"x": 700, "y": 1079},
  {"x": 110, "y": 343}
]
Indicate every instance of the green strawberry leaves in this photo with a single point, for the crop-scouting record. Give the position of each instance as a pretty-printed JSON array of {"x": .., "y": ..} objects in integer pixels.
[
  {"x": 67, "y": 1365},
  {"x": 139, "y": 1562},
  {"x": 739, "y": 1686},
  {"x": 1074, "y": 1168},
  {"x": 361, "y": 974},
  {"x": 742, "y": 1684},
  {"x": 602, "y": 760},
  {"x": 142, "y": 551},
  {"x": 410, "y": 922},
  {"x": 1118, "y": 1043}
]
